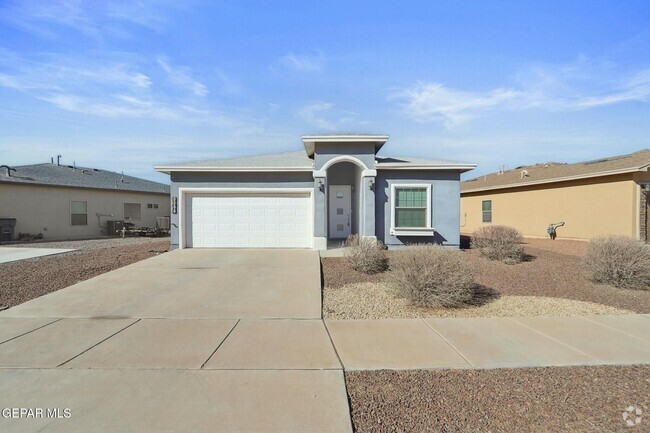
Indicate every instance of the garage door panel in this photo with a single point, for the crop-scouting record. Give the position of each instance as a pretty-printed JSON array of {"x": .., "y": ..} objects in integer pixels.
[{"x": 248, "y": 221}]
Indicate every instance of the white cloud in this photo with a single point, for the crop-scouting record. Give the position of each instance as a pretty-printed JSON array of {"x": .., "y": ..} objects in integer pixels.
[
  {"x": 427, "y": 102},
  {"x": 304, "y": 63},
  {"x": 580, "y": 86},
  {"x": 322, "y": 115},
  {"x": 181, "y": 77},
  {"x": 91, "y": 18}
]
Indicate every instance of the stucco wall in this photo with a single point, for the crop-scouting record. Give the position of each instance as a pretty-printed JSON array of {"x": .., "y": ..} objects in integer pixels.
[
  {"x": 589, "y": 207},
  {"x": 46, "y": 210},
  {"x": 445, "y": 192},
  {"x": 234, "y": 180}
]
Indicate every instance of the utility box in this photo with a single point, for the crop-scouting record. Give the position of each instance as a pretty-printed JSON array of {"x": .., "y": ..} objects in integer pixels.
[
  {"x": 114, "y": 227},
  {"x": 7, "y": 226}
]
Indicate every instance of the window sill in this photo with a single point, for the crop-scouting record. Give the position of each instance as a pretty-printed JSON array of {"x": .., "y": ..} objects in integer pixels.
[{"x": 412, "y": 231}]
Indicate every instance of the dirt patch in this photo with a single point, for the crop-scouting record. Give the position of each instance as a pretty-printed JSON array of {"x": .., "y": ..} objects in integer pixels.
[
  {"x": 548, "y": 274},
  {"x": 555, "y": 275},
  {"x": 558, "y": 399},
  {"x": 28, "y": 279},
  {"x": 561, "y": 246},
  {"x": 336, "y": 273},
  {"x": 375, "y": 301}
]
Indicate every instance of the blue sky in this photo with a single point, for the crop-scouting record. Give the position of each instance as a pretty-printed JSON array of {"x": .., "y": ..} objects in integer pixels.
[{"x": 125, "y": 85}]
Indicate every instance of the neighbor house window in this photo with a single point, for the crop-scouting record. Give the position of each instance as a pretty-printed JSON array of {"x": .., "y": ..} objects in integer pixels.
[
  {"x": 487, "y": 211},
  {"x": 132, "y": 211},
  {"x": 411, "y": 210},
  {"x": 152, "y": 206},
  {"x": 78, "y": 213}
]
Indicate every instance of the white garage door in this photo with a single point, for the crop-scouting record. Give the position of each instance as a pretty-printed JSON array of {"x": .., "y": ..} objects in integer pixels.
[{"x": 248, "y": 221}]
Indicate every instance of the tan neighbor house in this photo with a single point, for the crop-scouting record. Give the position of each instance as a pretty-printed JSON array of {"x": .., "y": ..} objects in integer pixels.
[
  {"x": 608, "y": 196},
  {"x": 68, "y": 202}
]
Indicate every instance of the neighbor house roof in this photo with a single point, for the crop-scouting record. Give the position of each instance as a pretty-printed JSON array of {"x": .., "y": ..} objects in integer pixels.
[
  {"x": 78, "y": 177},
  {"x": 558, "y": 172},
  {"x": 298, "y": 161}
]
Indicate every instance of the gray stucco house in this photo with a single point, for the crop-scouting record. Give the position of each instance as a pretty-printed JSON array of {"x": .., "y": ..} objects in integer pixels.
[{"x": 337, "y": 186}]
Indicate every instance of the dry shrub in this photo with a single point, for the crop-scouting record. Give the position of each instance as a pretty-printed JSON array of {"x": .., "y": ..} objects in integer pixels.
[
  {"x": 365, "y": 255},
  {"x": 500, "y": 243},
  {"x": 619, "y": 261},
  {"x": 432, "y": 276}
]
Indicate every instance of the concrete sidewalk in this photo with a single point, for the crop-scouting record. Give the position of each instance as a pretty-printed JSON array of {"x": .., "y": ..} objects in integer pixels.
[
  {"x": 491, "y": 342},
  {"x": 12, "y": 254}
]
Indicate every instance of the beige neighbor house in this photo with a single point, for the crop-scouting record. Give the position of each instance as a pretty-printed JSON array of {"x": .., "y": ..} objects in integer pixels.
[
  {"x": 608, "y": 196},
  {"x": 68, "y": 202}
]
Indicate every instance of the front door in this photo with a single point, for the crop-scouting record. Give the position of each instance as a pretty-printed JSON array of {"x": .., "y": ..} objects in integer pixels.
[{"x": 340, "y": 210}]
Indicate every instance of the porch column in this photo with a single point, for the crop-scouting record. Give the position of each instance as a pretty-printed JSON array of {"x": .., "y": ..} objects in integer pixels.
[
  {"x": 367, "y": 222},
  {"x": 320, "y": 211}
]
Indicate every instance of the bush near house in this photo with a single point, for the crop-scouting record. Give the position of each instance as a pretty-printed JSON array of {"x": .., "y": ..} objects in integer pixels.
[
  {"x": 619, "y": 261},
  {"x": 365, "y": 255},
  {"x": 500, "y": 243},
  {"x": 431, "y": 276}
]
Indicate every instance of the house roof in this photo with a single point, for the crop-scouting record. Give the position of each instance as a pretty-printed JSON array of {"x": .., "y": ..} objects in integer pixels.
[
  {"x": 79, "y": 177},
  {"x": 289, "y": 161},
  {"x": 310, "y": 140},
  {"x": 298, "y": 161},
  {"x": 411, "y": 163},
  {"x": 559, "y": 172}
]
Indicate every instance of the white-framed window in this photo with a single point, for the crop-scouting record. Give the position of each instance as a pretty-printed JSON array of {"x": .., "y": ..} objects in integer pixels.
[
  {"x": 152, "y": 205},
  {"x": 132, "y": 211},
  {"x": 411, "y": 210},
  {"x": 486, "y": 209},
  {"x": 78, "y": 213}
]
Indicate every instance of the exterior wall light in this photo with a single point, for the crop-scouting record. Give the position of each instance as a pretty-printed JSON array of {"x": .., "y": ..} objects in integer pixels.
[
  {"x": 371, "y": 184},
  {"x": 321, "y": 185}
]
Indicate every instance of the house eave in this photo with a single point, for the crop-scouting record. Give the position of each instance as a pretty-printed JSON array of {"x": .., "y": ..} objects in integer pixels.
[
  {"x": 310, "y": 140},
  {"x": 556, "y": 179}
]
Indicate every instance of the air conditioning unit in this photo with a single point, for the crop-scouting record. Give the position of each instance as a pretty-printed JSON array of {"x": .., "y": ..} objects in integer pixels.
[{"x": 113, "y": 227}]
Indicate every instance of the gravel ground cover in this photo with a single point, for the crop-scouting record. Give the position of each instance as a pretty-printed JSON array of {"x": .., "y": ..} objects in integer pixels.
[
  {"x": 551, "y": 281},
  {"x": 88, "y": 244},
  {"x": 541, "y": 400},
  {"x": 375, "y": 301},
  {"x": 28, "y": 279}
]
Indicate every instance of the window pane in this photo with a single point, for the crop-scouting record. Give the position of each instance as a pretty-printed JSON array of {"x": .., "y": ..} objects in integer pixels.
[
  {"x": 132, "y": 211},
  {"x": 410, "y": 217},
  {"x": 411, "y": 197},
  {"x": 78, "y": 207},
  {"x": 79, "y": 219},
  {"x": 487, "y": 205}
]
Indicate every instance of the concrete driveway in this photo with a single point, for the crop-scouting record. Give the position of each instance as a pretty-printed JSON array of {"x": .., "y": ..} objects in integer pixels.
[
  {"x": 192, "y": 340},
  {"x": 194, "y": 284}
]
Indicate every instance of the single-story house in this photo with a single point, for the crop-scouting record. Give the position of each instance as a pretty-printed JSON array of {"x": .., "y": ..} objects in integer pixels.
[
  {"x": 67, "y": 202},
  {"x": 337, "y": 186},
  {"x": 607, "y": 196}
]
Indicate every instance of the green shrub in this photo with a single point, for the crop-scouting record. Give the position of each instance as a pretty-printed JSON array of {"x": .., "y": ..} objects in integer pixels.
[
  {"x": 431, "y": 276},
  {"x": 619, "y": 261},
  {"x": 500, "y": 243},
  {"x": 365, "y": 255}
]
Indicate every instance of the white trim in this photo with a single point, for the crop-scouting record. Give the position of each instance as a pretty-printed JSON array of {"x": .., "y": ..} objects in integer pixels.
[
  {"x": 411, "y": 231},
  {"x": 639, "y": 191},
  {"x": 319, "y": 243},
  {"x": 552, "y": 180},
  {"x": 182, "y": 191},
  {"x": 344, "y": 158},
  {"x": 195, "y": 168}
]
